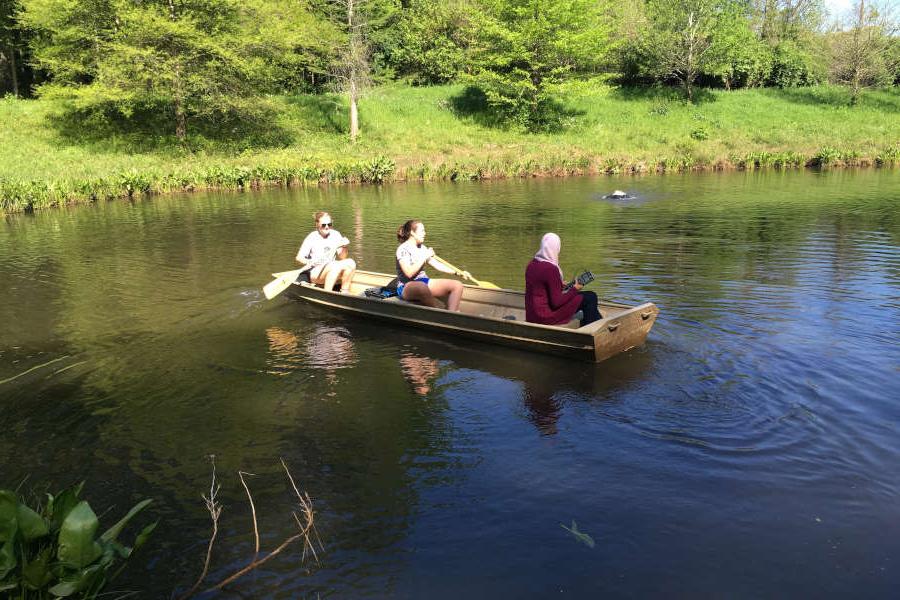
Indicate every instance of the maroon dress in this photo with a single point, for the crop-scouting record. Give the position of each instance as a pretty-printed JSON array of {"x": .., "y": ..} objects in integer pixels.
[{"x": 545, "y": 302}]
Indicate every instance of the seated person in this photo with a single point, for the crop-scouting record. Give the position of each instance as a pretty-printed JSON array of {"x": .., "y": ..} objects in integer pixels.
[
  {"x": 324, "y": 252},
  {"x": 545, "y": 300},
  {"x": 413, "y": 284}
]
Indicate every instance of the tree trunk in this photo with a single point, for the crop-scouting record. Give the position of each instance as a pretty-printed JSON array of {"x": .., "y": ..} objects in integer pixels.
[
  {"x": 858, "y": 54},
  {"x": 353, "y": 83},
  {"x": 12, "y": 71},
  {"x": 354, "y": 110},
  {"x": 178, "y": 92},
  {"x": 180, "y": 121}
]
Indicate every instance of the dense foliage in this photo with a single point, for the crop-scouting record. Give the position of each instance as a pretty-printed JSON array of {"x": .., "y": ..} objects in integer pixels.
[
  {"x": 53, "y": 550},
  {"x": 213, "y": 61}
]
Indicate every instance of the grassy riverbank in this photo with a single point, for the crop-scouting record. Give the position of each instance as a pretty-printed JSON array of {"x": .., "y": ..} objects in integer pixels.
[{"x": 440, "y": 133}]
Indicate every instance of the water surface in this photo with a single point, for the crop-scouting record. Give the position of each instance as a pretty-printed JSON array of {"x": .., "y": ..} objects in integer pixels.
[{"x": 749, "y": 449}]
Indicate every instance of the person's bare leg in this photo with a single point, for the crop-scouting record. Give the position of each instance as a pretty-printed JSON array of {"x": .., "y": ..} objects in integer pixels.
[
  {"x": 349, "y": 269},
  {"x": 447, "y": 287},
  {"x": 332, "y": 271},
  {"x": 416, "y": 291}
]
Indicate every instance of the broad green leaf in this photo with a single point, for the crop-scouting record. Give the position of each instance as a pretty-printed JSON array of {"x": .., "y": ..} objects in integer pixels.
[
  {"x": 8, "y": 560},
  {"x": 77, "y": 582},
  {"x": 64, "y": 588},
  {"x": 31, "y": 524},
  {"x": 37, "y": 573},
  {"x": 8, "y": 515},
  {"x": 76, "y": 537},
  {"x": 113, "y": 532},
  {"x": 60, "y": 506}
]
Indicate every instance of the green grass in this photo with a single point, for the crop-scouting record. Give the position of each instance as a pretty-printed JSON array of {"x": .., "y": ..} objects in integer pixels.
[{"x": 429, "y": 133}]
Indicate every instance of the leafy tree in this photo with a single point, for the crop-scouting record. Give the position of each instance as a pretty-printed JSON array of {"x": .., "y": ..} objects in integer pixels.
[
  {"x": 861, "y": 55},
  {"x": 781, "y": 20},
  {"x": 361, "y": 25},
  {"x": 679, "y": 39},
  {"x": 194, "y": 58},
  {"x": 12, "y": 44},
  {"x": 522, "y": 49},
  {"x": 737, "y": 56},
  {"x": 431, "y": 40},
  {"x": 794, "y": 65}
]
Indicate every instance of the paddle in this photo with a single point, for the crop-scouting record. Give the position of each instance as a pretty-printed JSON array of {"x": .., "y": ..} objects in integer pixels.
[
  {"x": 484, "y": 284},
  {"x": 284, "y": 280}
]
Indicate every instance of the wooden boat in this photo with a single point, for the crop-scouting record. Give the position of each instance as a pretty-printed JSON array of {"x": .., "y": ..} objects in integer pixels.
[{"x": 493, "y": 315}]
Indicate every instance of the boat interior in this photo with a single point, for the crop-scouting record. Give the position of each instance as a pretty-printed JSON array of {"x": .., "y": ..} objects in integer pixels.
[{"x": 480, "y": 301}]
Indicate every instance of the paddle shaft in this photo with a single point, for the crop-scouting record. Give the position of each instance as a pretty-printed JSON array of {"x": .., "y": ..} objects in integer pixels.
[{"x": 459, "y": 272}]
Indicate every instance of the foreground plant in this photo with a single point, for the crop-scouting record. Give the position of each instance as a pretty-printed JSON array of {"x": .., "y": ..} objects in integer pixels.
[{"x": 53, "y": 550}]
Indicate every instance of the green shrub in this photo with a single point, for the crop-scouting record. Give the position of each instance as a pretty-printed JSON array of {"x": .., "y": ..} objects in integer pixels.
[
  {"x": 52, "y": 550},
  {"x": 825, "y": 157},
  {"x": 700, "y": 134}
]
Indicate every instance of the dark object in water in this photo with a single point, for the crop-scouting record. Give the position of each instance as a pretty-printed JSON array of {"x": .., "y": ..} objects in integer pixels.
[{"x": 617, "y": 195}]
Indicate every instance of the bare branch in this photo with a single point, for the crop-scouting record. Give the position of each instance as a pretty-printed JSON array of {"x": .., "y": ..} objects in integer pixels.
[
  {"x": 215, "y": 509},
  {"x": 252, "y": 509},
  {"x": 307, "y": 529}
]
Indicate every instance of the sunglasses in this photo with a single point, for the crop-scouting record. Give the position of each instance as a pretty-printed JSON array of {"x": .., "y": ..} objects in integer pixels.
[{"x": 324, "y": 225}]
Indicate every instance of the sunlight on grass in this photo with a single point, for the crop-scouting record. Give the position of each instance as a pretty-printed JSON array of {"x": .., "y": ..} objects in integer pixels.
[{"x": 421, "y": 133}]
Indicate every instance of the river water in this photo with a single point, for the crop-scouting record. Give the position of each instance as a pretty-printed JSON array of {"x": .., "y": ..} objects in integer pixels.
[{"x": 749, "y": 449}]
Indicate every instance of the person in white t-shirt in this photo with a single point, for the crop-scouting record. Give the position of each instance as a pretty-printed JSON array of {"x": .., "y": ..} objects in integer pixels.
[
  {"x": 324, "y": 251},
  {"x": 413, "y": 284}
]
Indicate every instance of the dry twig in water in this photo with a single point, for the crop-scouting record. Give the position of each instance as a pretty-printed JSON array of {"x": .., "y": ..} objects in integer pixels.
[
  {"x": 253, "y": 510},
  {"x": 307, "y": 528},
  {"x": 215, "y": 509}
]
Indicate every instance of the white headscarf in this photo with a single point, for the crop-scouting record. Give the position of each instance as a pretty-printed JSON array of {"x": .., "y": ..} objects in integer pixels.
[{"x": 549, "y": 251}]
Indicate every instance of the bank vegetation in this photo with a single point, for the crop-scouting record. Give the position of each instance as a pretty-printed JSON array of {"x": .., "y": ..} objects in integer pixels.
[{"x": 112, "y": 98}]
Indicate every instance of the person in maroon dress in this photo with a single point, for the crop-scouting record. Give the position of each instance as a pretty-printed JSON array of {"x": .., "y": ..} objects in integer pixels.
[{"x": 545, "y": 300}]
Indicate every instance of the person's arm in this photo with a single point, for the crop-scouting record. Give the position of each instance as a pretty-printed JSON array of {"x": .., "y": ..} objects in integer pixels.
[
  {"x": 440, "y": 266},
  {"x": 303, "y": 254},
  {"x": 341, "y": 253},
  {"x": 556, "y": 297}
]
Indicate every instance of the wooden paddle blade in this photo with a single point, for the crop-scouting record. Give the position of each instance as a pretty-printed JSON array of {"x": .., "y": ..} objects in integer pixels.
[{"x": 280, "y": 283}]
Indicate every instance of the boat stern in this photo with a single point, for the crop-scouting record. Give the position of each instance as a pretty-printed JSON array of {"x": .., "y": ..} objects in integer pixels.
[{"x": 623, "y": 331}]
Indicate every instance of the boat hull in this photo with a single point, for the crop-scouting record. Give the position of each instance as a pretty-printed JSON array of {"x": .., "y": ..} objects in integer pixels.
[{"x": 494, "y": 316}]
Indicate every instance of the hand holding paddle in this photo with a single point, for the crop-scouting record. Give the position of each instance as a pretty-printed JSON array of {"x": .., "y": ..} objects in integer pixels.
[{"x": 284, "y": 280}]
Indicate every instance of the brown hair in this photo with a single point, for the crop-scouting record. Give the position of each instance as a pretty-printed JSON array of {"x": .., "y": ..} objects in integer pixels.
[
  {"x": 320, "y": 214},
  {"x": 405, "y": 230}
]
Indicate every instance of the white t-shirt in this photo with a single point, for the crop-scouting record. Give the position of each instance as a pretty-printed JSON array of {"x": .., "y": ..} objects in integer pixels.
[
  {"x": 410, "y": 256},
  {"x": 319, "y": 251}
]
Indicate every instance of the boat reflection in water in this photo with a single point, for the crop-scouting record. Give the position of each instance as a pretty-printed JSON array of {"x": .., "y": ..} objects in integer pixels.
[
  {"x": 419, "y": 371},
  {"x": 321, "y": 347},
  {"x": 433, "y": 365}
]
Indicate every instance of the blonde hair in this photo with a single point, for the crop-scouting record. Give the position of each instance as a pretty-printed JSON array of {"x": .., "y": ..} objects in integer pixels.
[{"x": 319, "y": 215}]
